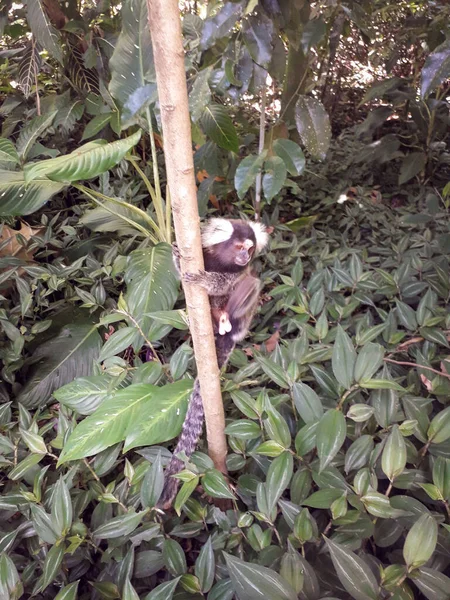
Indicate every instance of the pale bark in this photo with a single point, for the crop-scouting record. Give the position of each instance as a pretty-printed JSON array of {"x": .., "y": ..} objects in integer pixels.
[{"x": 165, "y": 29}]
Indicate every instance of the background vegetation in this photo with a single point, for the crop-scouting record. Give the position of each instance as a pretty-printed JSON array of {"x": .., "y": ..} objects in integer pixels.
[{"x": 338, "y": 415}]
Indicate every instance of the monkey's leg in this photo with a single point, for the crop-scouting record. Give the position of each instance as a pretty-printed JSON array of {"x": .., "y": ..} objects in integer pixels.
[{"x": 216, "y": 284}]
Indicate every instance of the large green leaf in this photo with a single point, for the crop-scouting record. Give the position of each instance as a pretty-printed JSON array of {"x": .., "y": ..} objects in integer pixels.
[
  {"x": 132, "y": 61},
  {"x": 109, "y": 423},
  {"x": 436, "y": 69},
  {"x": 151, "y": 287},
  {"x": 8, "y": 152},
  {"x": 253, "y": 582},
  {"x": 307, "y": 403},
  {"x": 278, "y": 478},
  {"x": 218, "y": 126},
  {"x": 85, "y": 394},
  {"x": 257, "y": 31},
  {"x": 161, "y": 418},
  {"x": 292, "y": 155},
  {"x": 42, "y": 29},
  {"x": 31, "y": 132},
  {"x": 70, "y": 354},
  {"x": 354, "y": 574},
  {"x": 221, "y": 24},
  {"x": 19, "y": 198},
  {"x": 86, "y": 162},
  {"x": 313, "y": 126}
]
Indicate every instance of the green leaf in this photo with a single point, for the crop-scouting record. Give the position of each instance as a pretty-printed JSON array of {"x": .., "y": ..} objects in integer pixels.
[
  {"x": 52, "y": 565},
  {"x": 131, "y": 64},
  {"x": 251, "y": 581},
  {"x": 278, "y": 478},
  {"x": 218, "y": 126},
  {"x": 24, "y": 466},
  {"x": 243, "y": 429},
  {"x": 369, "y": 360},
  {"x": 323, "y": 498},
  {"x": 247, "y": 171},
  {"x": 313, "y": 126},
  {"x": 343, "y": 359},
  {"x": 119, "y": 341},
  {"x": 152, "y": 484},
  {"x": 330, "y": 435},
  {"x": 164, "y": 591},
  {"x": 307, "y": 403},
  {"x": 8, "y": 152},
  {"x": 200, "y": 94},
  {"x": 257, "y": 31},
  {"x": 439, "y": 429},
  {"x": 185, "y": 493},
  {"x": 129, "y": 593},
  {"x": 245, "y": 403},
  {"x": 358, "y": 454},
  {"x": 441, "y": 476},
  {"x": 381, "y": 384},
  {"x": 152, "y": 286},
  {"x": 412, "y": 165},
  {"x": 354, "y": 574},
  {"x": 433, "y": 584},
  {"x": 274, "y": 177},
  {"x": 291, "y": 569},
  {"x": 276, "y": 373},
  {"x": 305, "y": 439},
  {"x": 62, "y": 511},
  {"x": 406, "y": 315},
  {"x": 31, "y": 132},
  {"x": 436, "y": 69},
  {"x": 85, "y": 394},
  {"x": 96, "y": 125},
  {"x": 393, "y": 459},
  {"x": 221, "y": 24},
  {"x": 43, "y": 524},
  {"x": 360, "y": 412},
  {"x": 119, "y": 526},
  {"x": 277, "y": 428},
  {"x": 215, "y": 484},
  {"x": 174, "y": 558},
  {"x": 10, "y": 583},
  {"x": 34, "y": 441},
  {"x": 42, "y": 29},
  {"x": 420, "y": 542},
  {"x": 68, "y": 592},
  {"x": 292, "y": 155},
  {"x": 59, "y": 360},
  {"x": 19, "y": 198},
  {"x": 161, "y": 416},
  {"x": 205, "y": 566},
  {"x": 86, "y": 162}
]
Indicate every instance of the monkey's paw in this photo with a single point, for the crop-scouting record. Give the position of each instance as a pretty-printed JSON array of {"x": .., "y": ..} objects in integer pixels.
[
  {"x": 196, "y": 278},
  {"x": 176, "y": 251}
]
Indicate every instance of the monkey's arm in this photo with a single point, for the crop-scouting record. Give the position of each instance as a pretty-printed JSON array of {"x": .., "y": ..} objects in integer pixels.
[
  {"x": 216, "y": 284},
  {"x": 242, "y": 303}
]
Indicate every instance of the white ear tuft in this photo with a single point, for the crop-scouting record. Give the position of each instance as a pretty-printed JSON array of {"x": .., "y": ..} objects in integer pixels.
[
  {"x": 261, "y": 235},
  {"x": 216, "y": 231}
]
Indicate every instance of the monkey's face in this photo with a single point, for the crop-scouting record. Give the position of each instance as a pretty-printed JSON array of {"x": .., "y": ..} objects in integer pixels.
[{"x": 243, "y": 252}]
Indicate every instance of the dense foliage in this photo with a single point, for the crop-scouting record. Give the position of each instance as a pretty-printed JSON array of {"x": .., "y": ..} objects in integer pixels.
[{"x": 337, "y": 404}]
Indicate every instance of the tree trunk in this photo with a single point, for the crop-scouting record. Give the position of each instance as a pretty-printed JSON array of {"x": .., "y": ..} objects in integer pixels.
[{"x": 165, "y": 29}]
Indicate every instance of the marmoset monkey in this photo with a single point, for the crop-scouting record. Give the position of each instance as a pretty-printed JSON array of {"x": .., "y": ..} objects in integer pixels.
[{"x": 228, "y": 248}]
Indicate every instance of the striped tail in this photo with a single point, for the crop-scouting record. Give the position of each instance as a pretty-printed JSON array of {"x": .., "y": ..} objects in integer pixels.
[{"x": 192, "y": 428}]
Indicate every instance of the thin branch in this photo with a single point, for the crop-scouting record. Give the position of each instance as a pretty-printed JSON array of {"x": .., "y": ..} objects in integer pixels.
[
  {"x": 262, "y": 129},
  {"x": 411, "y": 364}
]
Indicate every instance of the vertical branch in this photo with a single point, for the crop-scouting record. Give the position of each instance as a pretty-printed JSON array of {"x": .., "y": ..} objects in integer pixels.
[
  {"x": 165, "y": 29},
  {"x": 262, "y": 129}
]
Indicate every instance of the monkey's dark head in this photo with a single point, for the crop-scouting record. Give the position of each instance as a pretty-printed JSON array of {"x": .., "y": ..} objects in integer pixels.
[{"x": 230, "y": 245}]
